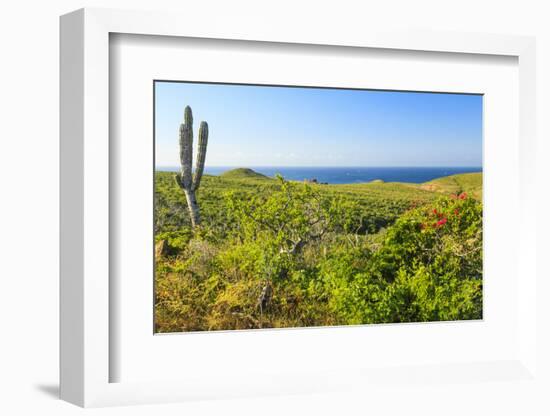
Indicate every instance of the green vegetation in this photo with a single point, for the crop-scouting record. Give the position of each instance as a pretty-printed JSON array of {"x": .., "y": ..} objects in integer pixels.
[
  {"x": 242, "y": 173},
  {"x": 466, "y": 182},
  {"x": 270, "y": 253}
]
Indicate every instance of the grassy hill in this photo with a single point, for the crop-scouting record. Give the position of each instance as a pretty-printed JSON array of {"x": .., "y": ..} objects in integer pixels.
[
  {"x": 242, "y": 173},
  {"x": 381, "y": 203},
  {"x": 471, "y": 183}
]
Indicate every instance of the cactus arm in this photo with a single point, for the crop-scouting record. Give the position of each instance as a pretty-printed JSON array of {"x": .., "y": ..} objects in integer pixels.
[
  {"x": 186, "y": 149},
  {"x": 201, "y": 154}
]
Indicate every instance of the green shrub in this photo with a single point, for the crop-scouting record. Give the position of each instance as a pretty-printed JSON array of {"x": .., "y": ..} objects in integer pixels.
[{"x": 430, "y": 264}]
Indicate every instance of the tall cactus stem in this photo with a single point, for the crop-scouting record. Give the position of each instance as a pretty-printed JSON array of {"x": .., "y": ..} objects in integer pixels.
[
  {"x": 188, "y": 182},
  {"x": 193, "y": 206}
]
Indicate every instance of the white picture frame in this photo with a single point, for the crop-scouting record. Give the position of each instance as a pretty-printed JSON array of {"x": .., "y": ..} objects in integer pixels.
[{"x": 85, "y": 212}]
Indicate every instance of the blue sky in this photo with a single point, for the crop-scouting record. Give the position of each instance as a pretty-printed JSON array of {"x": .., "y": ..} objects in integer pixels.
[{"x": 282, "y": 126}]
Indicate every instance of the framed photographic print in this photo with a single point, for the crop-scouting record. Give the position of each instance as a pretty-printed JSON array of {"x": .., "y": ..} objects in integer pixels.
[{"x": 292, "y": 213}]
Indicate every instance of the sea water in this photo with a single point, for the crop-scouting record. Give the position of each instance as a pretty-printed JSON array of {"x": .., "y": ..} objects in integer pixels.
[{"x": 347, "y": 175}]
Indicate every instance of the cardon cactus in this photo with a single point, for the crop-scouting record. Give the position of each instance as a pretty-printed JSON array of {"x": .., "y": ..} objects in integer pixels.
[{"x": 186, "y": 180}]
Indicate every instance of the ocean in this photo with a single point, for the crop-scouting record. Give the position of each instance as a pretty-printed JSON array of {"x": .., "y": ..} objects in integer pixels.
[{"x": 347, "y": 175}]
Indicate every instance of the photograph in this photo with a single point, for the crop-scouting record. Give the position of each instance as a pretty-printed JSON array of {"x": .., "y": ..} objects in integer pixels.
[{"x": 282, "y": 206}]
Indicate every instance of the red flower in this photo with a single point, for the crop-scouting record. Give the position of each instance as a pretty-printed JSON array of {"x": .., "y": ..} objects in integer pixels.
[
  {"x": 456, "y": 211},
  {"x": 441, "y": 222},
  {"x": 435, "y": 211},
  {"x": 463, "y": 195}
]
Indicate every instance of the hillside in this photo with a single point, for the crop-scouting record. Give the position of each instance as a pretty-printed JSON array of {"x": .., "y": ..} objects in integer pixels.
[
  {"x": 242, "y": 173},
  {"x": 381, "y": 203},
  {"x": 465, "y": 182},
  {"x": 471, "y": 183}
]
